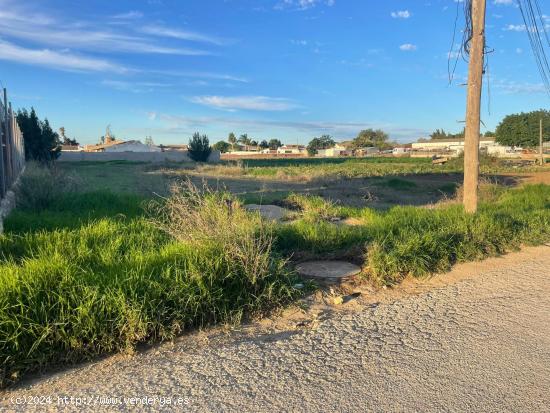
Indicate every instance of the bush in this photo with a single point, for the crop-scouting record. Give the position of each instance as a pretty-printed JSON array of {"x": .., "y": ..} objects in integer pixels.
[
  {"x": 207, "y": 217},
  {"x": 199, "y": 148},
  {"x": 41, "y": 185}
]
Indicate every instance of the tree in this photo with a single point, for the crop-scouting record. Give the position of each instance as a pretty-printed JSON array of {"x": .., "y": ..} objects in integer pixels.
[
  {"x": 324, "y": 142},
  {"x": 489, "y": 134},
  {"x": 274, "y": 144},
  {"x": 42, "y": 144},
  {"x": 441, "y": 134},
  {"x": 253, "y": 143},
  {"x": 522, "y": 129},
  {"x": 221, "y": 146},
  {"x": 244, "y": 139},
  {"x": 264, "y": 144},
  {"x": 370, "y": 137},
  {"x": 232, "y": 139},
  {"x": 64, "y": 139},
  {"x": 199, "y": 147}
]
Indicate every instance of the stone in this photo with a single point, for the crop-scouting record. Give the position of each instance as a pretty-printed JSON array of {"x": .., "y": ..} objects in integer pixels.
[
  {"x": 270, "y": 212},
  {"x": 328, "y": 270}
]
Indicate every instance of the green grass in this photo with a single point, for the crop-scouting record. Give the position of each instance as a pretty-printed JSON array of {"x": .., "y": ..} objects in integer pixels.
[
  {"x": 91, "y": 275},
  {"x": 418, "y": 241}
]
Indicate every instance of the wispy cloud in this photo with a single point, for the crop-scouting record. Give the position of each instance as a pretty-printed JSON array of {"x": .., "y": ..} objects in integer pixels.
[
  {"x": 131, "y": 15},
  {"x": 163, "y": 31},
  {"x": 408, "y": 47},
  {"x": 174, "y": 124},
  {"x": 134, "y": 87},
  {"x": 302, "y": 4},
  {"x": 401, "y": 14},
  {"x": 200, "y": 75},
  {"x": 513, "y": 88},
  {"x": 23, "y": 23},
  {"x": 256, "y": 103},
  {"x": 57, "y": 60}
]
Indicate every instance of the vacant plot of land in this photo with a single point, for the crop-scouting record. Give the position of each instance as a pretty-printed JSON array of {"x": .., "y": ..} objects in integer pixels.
[
  {"x": 89, "y": 267},
  {"x": 372, "y": 182}
]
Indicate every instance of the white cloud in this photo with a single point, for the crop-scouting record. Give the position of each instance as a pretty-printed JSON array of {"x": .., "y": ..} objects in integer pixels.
[
  {"x": 512, "y": 87},
  {"x": 257, "y": 103},
  {"x": 178, "y": 125},
  {"x": 408, "y": 47},
  {"x": 134, "y": 87},
  {"x": 162, "y": 31},
  {"x": 18, "y": 22},
  {"x": 57, "y": 60},
  {"x": 131, "y": 15},
  {"x": 402, "y": 14},
  {"x": 504, "y": 2},
  {"x": 302, "y": 4}
]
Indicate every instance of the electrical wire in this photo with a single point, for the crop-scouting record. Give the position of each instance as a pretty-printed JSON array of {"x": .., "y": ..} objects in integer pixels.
[{"x": 535, "y": 26}]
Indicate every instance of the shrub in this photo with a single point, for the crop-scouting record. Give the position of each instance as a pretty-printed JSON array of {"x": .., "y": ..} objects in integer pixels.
[
  {"x": 41, "y": 185},
  {"x": 206, "y": 217},
  {"x": 199, "y": 147}
]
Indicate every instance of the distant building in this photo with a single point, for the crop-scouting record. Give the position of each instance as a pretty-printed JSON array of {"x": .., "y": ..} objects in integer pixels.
[
  {"x": 292, "y": 150},
  {"x": 122, "y": 146},
  {"x": 336, "y": 151},
  {"x": 71, "y": 148},
  {"x": 170, "y": 148},
  {"x": 450, "y": 144},
  {"x": 400, "y": 150},
  {"x": 366, "y": 151},
  {"x": 456, "y": 146}
]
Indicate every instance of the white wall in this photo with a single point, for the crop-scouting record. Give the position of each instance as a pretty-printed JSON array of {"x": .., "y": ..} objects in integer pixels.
[
  {"x": 156, "y": 157},
  {"x": 132, "y": 147}
]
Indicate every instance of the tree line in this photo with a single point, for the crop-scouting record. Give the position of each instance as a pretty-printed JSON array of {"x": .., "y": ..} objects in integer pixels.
[
  {"x": 43, "y": 144},
  {"x": 518, "y": 129}
]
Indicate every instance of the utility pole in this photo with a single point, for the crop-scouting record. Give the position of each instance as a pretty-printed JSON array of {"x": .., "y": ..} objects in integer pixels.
[
  {"x": 541, "y": 149},
  {"x": 473, "y": 107}
]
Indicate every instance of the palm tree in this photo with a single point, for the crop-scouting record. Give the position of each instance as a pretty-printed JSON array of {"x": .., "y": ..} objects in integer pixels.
[
  {"x": 245, "y": 140},
  {"x": 232, "y": 139}
]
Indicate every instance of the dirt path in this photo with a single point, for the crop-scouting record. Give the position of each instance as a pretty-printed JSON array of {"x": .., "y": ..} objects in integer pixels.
[{"x": 477, "y": 339}]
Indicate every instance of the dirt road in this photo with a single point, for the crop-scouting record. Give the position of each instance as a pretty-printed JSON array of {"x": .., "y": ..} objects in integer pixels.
[{"x": 480, "y": 344}]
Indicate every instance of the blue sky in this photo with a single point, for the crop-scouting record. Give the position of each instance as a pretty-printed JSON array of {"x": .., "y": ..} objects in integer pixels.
[{"x": 287, "y": 69}]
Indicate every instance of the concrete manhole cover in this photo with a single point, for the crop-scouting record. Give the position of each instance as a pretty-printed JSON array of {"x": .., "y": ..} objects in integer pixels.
[
  {"x": 328, "y": 270},
  {"x": 272, "y": 212}
]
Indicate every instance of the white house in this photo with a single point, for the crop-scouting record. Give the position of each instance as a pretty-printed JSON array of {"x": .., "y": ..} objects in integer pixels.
[
  {"x": 123, "y": 146},
  {"x": 292, "y": 150},
  {"x": 456, "y": 145},
  {"x": 451, "y": 144},
  {"x": 132, "y": 146},
  {"x": 335, "y": 151},
  {"x": 401, "y": 150}
]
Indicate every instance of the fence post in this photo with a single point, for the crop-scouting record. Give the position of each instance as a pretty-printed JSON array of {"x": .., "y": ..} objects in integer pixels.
[{"x": 2, "y": 166}]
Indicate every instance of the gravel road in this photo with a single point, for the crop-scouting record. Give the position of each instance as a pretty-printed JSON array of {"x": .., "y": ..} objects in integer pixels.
[{"x": 480, "y": 344}]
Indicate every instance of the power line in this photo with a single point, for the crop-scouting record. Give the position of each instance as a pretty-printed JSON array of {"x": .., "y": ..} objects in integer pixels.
[{"x": 535, "y": 26}]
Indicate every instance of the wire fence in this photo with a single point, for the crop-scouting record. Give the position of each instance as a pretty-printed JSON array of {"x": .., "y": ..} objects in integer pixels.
[{"x": 12, "y": 149}]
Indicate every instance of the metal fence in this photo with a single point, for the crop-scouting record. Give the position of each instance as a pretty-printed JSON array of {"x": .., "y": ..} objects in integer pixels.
[{"x": 12, "y": 149}]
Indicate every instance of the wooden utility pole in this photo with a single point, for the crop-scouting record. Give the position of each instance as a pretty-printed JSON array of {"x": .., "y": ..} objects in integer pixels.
[
  {"x": 473, "y": 106},
  {"x": 541, "y": 143}
]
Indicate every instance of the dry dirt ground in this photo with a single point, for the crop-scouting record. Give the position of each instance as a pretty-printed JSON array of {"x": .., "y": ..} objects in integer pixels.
[
  {"x": 376, "y": 192},
  {"x": 475, "y": 339}
]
